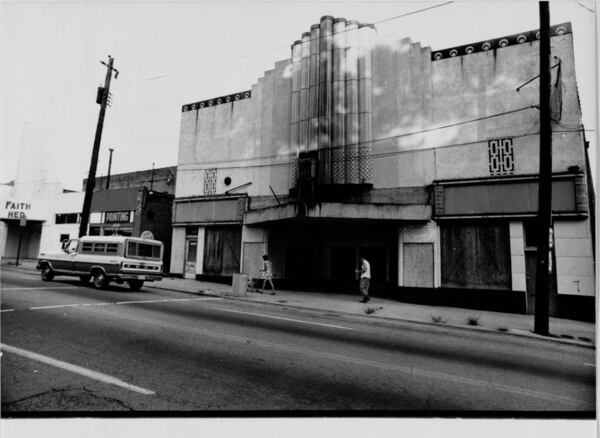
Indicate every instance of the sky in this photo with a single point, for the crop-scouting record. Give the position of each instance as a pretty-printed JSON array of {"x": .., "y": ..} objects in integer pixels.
[{"x": 169, "y": 53}]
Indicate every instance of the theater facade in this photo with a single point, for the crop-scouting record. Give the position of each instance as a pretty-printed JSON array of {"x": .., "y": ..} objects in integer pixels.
[{"x": 423, "y": 161}]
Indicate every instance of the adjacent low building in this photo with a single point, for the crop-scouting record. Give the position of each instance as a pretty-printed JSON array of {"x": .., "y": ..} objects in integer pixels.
[
  {"x": 42, "y": 215},
  {"x": 423, "y": 161}
]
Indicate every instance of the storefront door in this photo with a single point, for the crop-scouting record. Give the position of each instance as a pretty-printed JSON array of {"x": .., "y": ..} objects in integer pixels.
[{"x": 191, "y": 251}]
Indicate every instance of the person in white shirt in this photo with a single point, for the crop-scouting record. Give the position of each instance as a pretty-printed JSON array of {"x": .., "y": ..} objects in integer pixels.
[{"x": 365, "y": 279}]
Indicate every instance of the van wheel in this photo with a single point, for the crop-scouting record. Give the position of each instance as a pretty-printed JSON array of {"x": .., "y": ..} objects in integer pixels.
[
  {"x": 135, "y": 284},
  {"x": 47, "y": 273},
  {"x": 100, "y": 281},
  {"x": 85, "y": 279}
]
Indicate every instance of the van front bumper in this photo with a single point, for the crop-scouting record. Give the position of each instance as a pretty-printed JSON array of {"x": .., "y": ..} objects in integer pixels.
[{"x": 140, "y": 276}]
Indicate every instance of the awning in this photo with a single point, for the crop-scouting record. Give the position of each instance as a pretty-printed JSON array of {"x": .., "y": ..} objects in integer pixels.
[{"x": 338, "y": 210}]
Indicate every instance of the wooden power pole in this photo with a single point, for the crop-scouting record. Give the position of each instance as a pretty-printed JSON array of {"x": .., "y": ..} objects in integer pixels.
[
  {"x": 544, "y": 267},
  {"x": 102, "y": 99}
]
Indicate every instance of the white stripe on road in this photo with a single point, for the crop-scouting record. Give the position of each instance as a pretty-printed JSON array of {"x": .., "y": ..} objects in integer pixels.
[
  {"x": 168, "y": 300},
  {"x": 589, "y": 364},
  {"x": 104, "y": 378},
  {"x": 60, "y": 306},
  {"x": 284, "y": 319},
  {"x": 54, "y": 307},
  {"x": 410, "y": 371},
  {"x": 38, "y": 288},
  {"x": 7, "y": 310}
]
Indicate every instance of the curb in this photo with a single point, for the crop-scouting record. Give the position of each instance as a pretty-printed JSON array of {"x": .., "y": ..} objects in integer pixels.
[{"x": 512, "y": 332}]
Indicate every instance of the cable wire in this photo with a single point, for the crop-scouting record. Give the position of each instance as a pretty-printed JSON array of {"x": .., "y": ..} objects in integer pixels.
[
  {"x": 375, "y": 155},
  {"x": 276, "y": 49}
]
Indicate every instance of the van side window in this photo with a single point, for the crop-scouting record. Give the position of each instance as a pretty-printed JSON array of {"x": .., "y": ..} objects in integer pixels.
[
  {"x": 143, "y": 250},
  {"x": 100, "y": 248}
]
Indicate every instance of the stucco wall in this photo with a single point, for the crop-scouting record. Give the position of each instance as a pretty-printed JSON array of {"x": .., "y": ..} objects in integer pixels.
[
  {"x": 413, "y": 94},
  {"x": 177, "y": 250},
  {"x": 245, "y": 140}
]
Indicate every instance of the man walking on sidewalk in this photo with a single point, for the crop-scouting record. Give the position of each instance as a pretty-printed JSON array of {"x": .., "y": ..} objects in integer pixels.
[{"x": 365, "y": 279}]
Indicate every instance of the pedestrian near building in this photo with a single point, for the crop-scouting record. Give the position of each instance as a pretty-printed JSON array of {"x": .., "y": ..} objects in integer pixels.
[
  {"x": 267, "y": 274},
  {"x": 365, "y": 279}
]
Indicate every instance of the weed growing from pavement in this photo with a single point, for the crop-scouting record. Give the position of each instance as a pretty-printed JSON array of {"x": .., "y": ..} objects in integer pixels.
[
  {"x": 438, "y": 319},
  {"x": 370, "y": 310},
  {"x": 473, "y": 321}
]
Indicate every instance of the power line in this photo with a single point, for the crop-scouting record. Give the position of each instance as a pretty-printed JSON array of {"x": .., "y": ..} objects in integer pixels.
[
  {"x": 585, "y": 7},
  {"x": 286, "y": 47},
  {"x": 375, "y": 155},
  {"x": 406, "y": 134}
]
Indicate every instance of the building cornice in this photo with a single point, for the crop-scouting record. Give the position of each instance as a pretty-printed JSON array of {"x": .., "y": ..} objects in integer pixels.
[
  {"x": 217, "y": 101},
  {"x": 498, "y": 43}
]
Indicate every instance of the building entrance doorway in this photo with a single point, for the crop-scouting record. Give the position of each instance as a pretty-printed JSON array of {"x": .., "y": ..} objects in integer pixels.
[
  {"x": 191, "y": 251},
  {"x": 30, "y": 236}
]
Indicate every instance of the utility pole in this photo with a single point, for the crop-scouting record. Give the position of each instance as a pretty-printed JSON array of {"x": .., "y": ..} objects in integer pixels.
[
  {"x": 102, "y": 99},
  {"x": 109, "y": 164},
  {"x": 543, "y": 268},
  {"x": 152, "y": 178}
]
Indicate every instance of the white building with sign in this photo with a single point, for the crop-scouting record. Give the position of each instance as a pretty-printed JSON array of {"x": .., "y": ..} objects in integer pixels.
[{"x": 39, "y": 215}]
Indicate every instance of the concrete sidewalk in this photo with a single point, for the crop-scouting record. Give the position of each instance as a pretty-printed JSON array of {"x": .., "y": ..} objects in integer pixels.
[{"x": 562, "y": 330}]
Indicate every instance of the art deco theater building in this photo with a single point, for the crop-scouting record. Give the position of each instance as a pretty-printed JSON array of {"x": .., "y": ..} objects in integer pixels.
[{"x": 424, "y": 161}]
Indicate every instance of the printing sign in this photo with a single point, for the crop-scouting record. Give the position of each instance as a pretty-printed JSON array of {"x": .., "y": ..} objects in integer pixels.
[{"x": 115, "y": 217}]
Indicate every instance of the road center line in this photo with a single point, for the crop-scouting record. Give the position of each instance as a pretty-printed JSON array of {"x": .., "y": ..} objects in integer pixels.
[
  {"x": 284, "y": 319},
  {"x": 168, "y": 300},
  {"x": 104, "y": 378},
  {"x": 7, "y": 310},
  {"x": 410, "y": 371},
  {"x": 37, "y": 288},
  {"x": 54, "y": 307},
  {"x": 59, "y": 306}
]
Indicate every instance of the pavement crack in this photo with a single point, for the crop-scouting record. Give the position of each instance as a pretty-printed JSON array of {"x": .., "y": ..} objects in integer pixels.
[{"x": 71, "y": 399}]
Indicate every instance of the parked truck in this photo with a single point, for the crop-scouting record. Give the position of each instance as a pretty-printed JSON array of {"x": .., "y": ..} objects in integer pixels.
[{"x": 104, "y": 259}]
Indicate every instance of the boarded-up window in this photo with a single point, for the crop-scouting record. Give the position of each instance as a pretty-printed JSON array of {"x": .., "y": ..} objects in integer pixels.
[
  {"x": 222, "y": 247},
  {"x": 418, "y": 264},
  {"x": 476, "y": 255}
]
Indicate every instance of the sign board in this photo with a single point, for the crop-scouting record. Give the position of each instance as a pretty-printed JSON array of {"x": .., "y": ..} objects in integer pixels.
[
  {"x": 112, "y": 217},
  {"x": 15, "y": 210},
  {"x": 147, "y": 235}
]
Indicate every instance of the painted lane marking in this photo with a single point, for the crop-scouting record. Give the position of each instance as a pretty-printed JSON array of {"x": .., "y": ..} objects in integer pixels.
[
  {"x": 284, "y": 319},
  {"x": 54, "y": 307},
  {"x": 589, "y": 364},
  {"x": 168, "y": 300},
  {"x": 409, "y": 371},
  {"x": 104, "y": 378},
  {"x": 7, "y": 310},
  {"x": 60, "y": 306},
  {"x": 37, "y": 288}
]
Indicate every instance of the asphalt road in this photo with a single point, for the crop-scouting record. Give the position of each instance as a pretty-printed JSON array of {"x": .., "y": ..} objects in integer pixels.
[{"x": 68, "y": 348}]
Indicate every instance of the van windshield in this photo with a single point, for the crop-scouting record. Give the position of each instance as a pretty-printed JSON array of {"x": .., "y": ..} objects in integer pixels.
[{"x": 140, "y": 250}]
